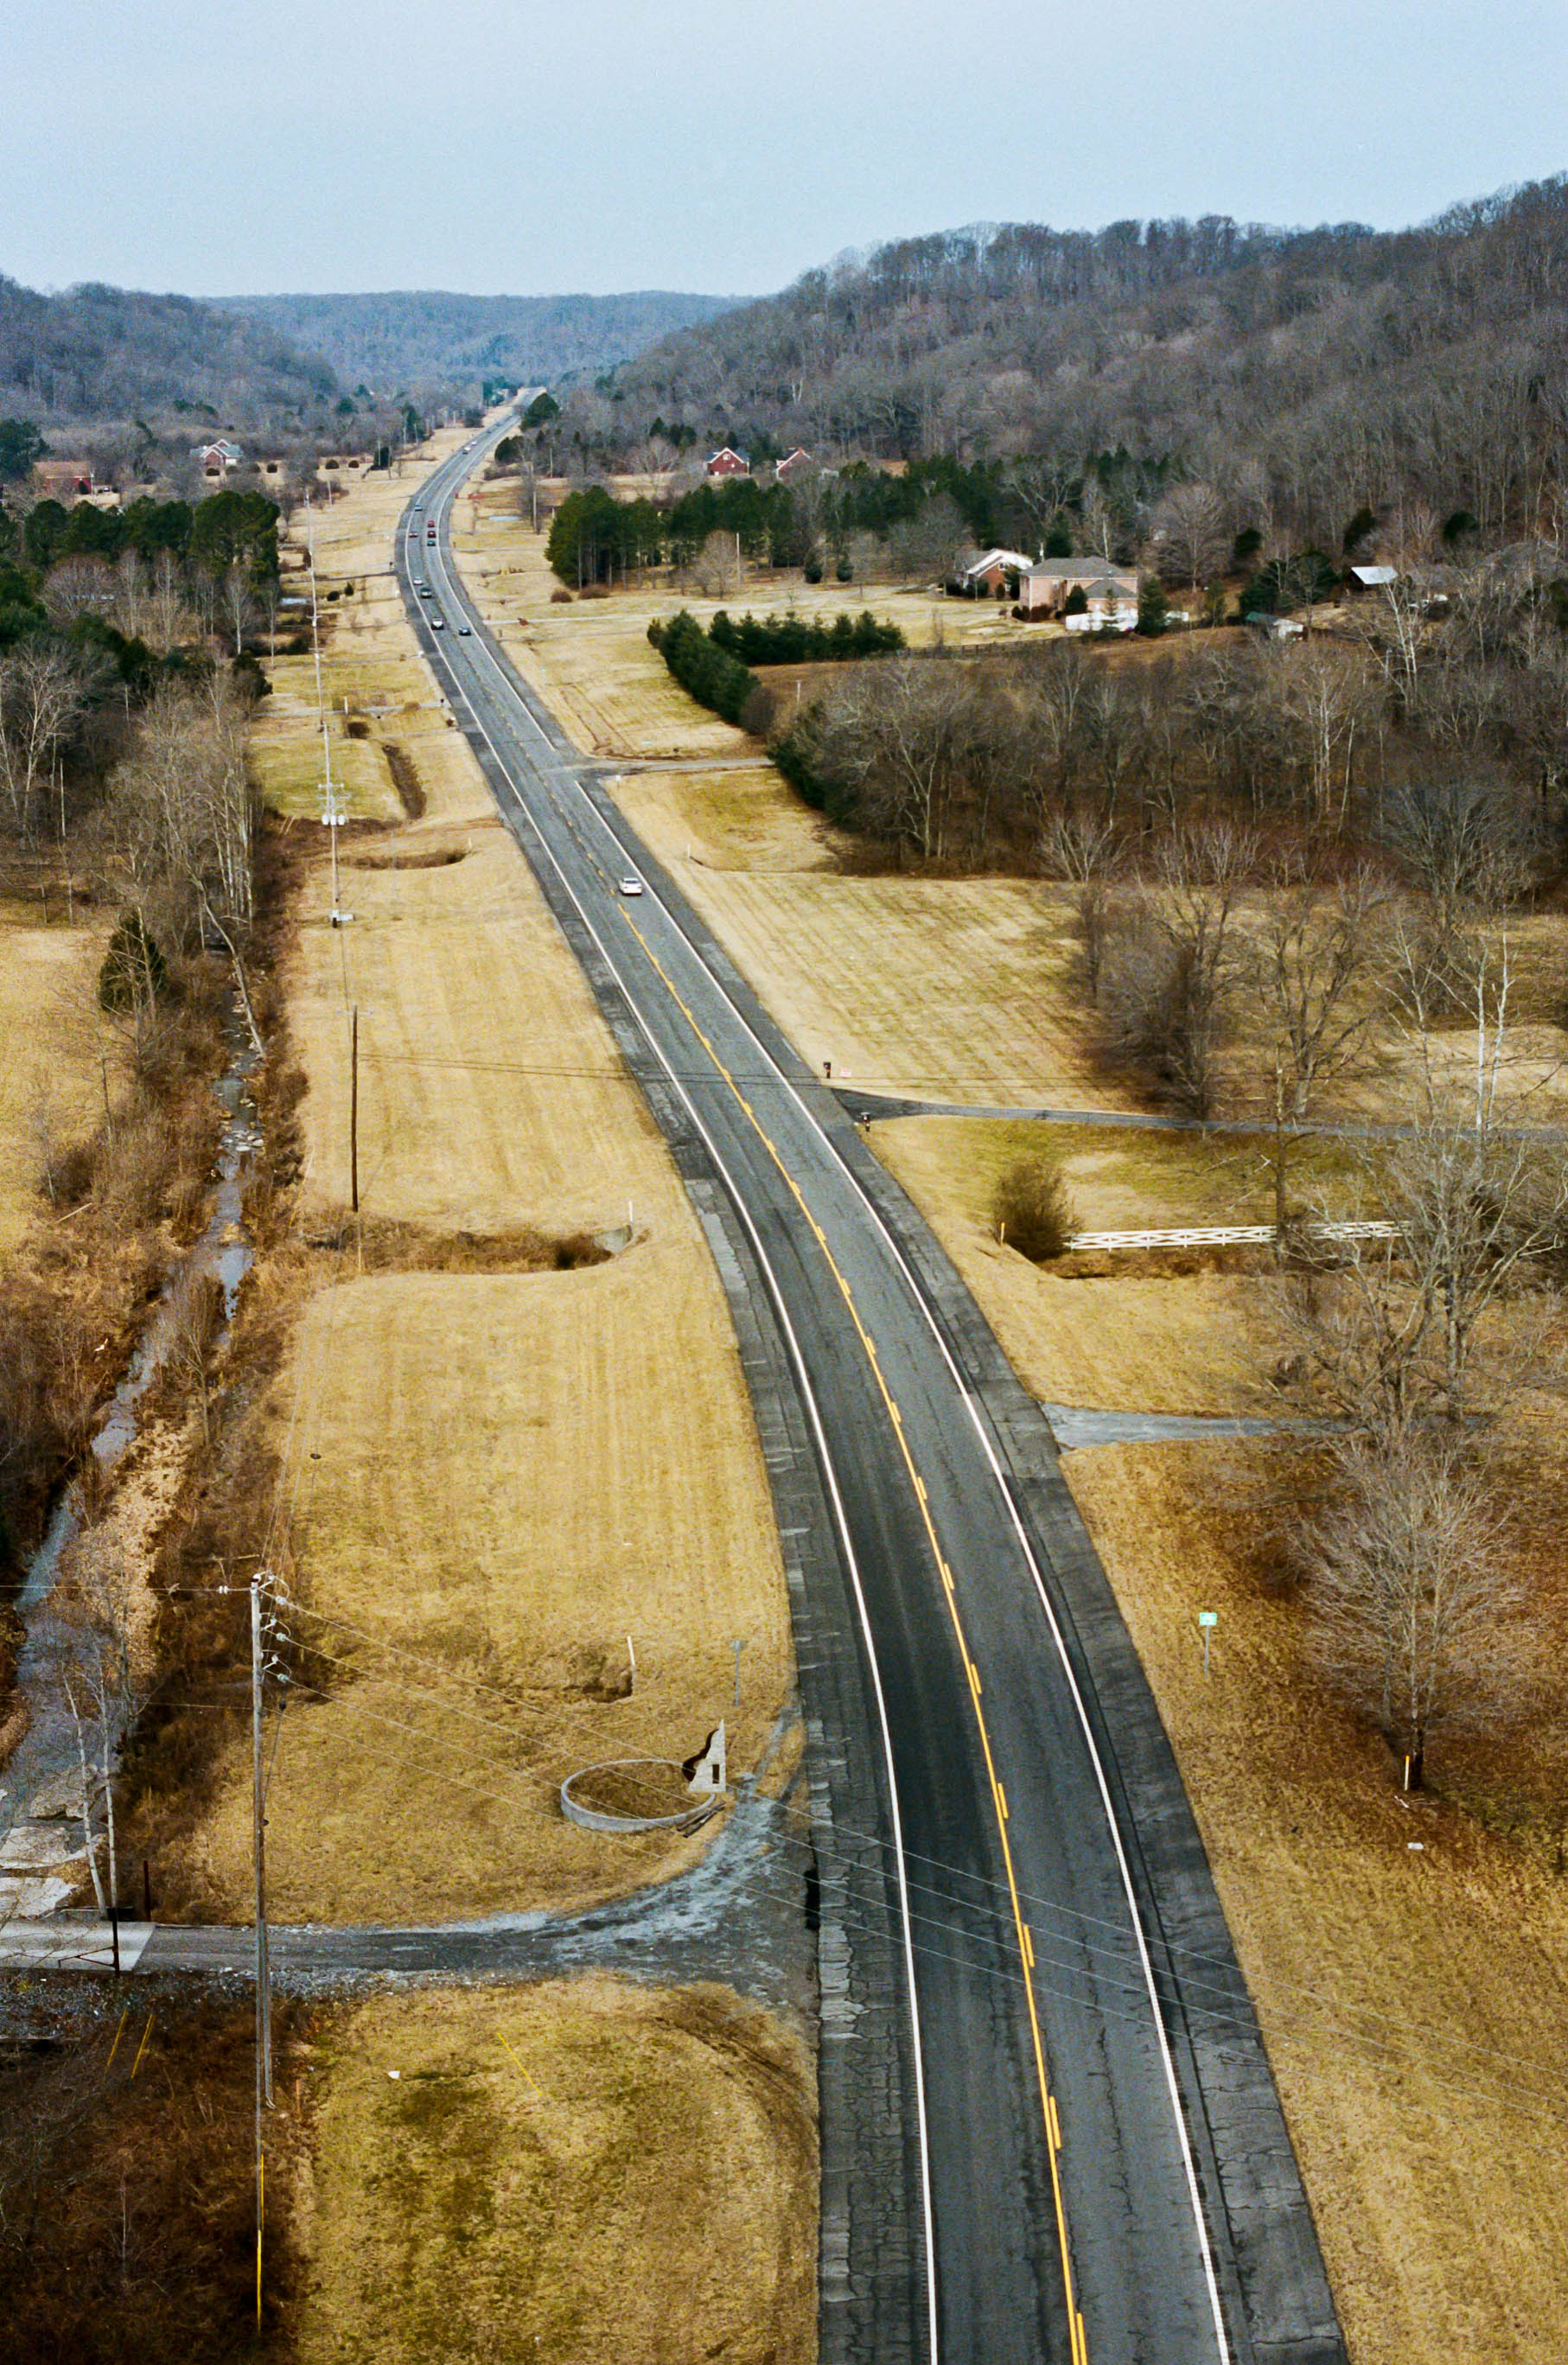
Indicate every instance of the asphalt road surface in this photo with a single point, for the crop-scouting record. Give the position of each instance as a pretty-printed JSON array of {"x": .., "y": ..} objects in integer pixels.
[{"x": 1094, "y": 2160}]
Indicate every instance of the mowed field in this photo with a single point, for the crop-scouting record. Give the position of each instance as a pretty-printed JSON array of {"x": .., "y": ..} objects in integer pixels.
[
  {"x": 491, "y": 1480},
  {"x": 1412, "y": 1997},
  {"x": 589, "y": 2173},
  {"x": 1410, "y": 1969},
  {"x": 54, "y": 1039}
]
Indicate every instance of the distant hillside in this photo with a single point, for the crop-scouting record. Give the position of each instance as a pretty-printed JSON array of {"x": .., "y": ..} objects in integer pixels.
[
  {"x": 422, "y": 339},
  {"x": 1304, "y": 374},
  {"x": 106, "y": 356}
]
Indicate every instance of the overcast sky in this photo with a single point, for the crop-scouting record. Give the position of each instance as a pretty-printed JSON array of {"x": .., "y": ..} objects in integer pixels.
[{"x": 506, "y": 146}]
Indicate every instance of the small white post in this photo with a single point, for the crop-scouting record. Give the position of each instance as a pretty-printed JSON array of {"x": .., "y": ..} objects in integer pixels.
[
  {"x": 632, "y": 1658},
  {"x": 1208, "y": 1621}
]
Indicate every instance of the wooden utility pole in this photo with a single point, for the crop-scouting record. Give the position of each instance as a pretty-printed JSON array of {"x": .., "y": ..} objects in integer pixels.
[
  {"x": 263, "y": 1976},
  {"x": 259, "y": 1822},
  {"x": 353, "y": 1111}
]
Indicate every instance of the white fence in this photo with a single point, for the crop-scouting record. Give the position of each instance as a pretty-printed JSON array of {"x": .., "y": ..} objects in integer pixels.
[{"x": 1219, "y": 1236}]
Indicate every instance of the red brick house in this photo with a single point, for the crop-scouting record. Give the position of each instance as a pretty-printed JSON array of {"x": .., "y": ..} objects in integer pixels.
[{"x": 728, "y": 463}]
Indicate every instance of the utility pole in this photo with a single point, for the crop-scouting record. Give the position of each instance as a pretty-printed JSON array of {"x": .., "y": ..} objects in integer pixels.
[
  {"x": 260, "y": 1622},
  {"x": 354, "y": 1113},
  {"x": 259, "y": 1823}
]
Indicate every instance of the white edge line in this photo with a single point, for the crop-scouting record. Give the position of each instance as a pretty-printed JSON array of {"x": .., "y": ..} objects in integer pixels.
[
  {"x": 987, "y": 1447},
  {"x": 807, "y": 1398}
]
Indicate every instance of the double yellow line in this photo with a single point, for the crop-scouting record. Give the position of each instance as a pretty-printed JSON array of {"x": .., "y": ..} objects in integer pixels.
[{"x": 1052, "y": 2118}]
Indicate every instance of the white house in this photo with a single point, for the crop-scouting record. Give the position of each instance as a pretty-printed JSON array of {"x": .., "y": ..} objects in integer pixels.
[{"x": 988, "y": 571}]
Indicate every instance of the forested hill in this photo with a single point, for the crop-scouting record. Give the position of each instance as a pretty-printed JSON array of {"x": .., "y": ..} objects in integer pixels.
[
  {"x": 109, "y": 355},
  {"x": 1429, "y": 363},
  {"x": 423, "y": 339}
]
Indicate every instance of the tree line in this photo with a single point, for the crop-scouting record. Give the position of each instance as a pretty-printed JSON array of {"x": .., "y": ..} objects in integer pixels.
[{"x": 1301, "y": 375}]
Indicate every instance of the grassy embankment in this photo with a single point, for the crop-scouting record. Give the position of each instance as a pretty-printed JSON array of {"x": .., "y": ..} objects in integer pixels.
[{"x": 1411, "y": 1998}]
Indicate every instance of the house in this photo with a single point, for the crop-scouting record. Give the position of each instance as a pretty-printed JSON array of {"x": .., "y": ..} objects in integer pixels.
[
  {"x": 987, "y": 574},
  {"x": 793, "y": 464},
  {"x": 217, "y": 458},
  {"x": 1371, "y": 578},
  {"x": 728, "y": 463},
  {"x": 1045, "y": 588},
  {"x": 1275, "y": 628},
  {"x": 62, "y": 480}
]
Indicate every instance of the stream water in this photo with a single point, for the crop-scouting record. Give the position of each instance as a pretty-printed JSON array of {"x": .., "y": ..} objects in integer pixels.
[{"x": 40, "y": 1784}]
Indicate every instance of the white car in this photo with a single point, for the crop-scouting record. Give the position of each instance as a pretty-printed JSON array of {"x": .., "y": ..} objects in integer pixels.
[
  {"x": 438, "y": 623},
  {"x": 630, "y": 887},
  {"x": 464, "y": 631}
]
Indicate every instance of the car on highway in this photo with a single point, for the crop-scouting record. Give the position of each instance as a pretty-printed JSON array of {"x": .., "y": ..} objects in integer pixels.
[
  {"x": 438, "y": 623},
  {"x": 464, "y": 631},
  {"x": 629, "y": 886},
  {"x": 425, "y": 592},
  {"x": 418, "y": 507}
]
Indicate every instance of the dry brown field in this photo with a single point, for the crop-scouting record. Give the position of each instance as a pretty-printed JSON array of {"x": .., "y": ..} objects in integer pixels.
[
  {"x": 52, "y": 1039},
  {"x": 1411, "y": 1995},
  {"x": 592, "y": 2173},
  {"x": 490, "y": 1479}
]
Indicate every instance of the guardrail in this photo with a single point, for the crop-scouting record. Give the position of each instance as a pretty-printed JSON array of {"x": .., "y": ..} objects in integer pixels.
[{"x": 1206, "y": 1236}]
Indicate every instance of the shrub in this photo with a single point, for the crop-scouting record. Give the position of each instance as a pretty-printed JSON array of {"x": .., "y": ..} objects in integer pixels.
[
  {"x": 813, "y": 570},
  {"x": 1032, "y": 1209},
  {"x": 844, "y": 572},
  {"x": 560, "y": 599}
]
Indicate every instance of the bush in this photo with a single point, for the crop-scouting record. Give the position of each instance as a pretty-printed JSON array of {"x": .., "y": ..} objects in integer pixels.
[
  {"x": 844, "y": 572},
  {"x": 1032, "y": 1209},
  {"x": 813, "y": 570}
]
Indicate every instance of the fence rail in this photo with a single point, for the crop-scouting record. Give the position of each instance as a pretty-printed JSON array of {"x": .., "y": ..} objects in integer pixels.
[{"x": 1206, "y": 1236}]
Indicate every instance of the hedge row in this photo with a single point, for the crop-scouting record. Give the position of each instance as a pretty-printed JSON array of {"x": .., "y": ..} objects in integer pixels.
[
  {"x": 708, "y": 674},
  {"x": 794, "y": 640}
]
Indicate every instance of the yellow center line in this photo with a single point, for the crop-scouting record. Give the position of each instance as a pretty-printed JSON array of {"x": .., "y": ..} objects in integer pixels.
[{"x": 1077, "y": 2336}]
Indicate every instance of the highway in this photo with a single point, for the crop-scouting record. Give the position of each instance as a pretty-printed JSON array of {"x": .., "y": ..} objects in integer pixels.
[{"x": 1086, "y": 2145}]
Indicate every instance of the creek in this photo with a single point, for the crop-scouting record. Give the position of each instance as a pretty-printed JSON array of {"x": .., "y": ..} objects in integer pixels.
[{"x": 40, "y": 1784}]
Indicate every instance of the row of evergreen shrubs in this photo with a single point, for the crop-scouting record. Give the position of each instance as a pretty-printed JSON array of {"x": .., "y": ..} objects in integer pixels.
[
  {"x": 708, "y": 674},
  {"x": 795, "y": 639}
]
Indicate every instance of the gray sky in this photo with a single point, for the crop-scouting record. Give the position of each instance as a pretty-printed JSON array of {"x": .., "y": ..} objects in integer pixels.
[{"x": 511, "y": 146}]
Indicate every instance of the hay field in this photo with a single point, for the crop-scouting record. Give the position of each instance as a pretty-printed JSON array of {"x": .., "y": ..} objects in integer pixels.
[
  {"x": 501, "y": 1478},
  {"x": 588, "y": 2173},
  {"x": 946, "y": 990},
  {"x": 502, "y": 1473},
  {"x": 1412, "y": 2001},
  {"x": 53, "y": 1036}
]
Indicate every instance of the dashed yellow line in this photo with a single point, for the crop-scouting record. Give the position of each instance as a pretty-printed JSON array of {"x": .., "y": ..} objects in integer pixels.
[{"x": 1077, "y": 2336}]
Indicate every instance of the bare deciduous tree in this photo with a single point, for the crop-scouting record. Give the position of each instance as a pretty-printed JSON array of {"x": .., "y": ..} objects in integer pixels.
[
  {"x": 1189, "y": 540},
  {"x": 1083, "y": 850},
  {"x": 1414, "y": 1612},
  {"x": 1171, "y": 967},
  {"x": 1316, "y": 961}
]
